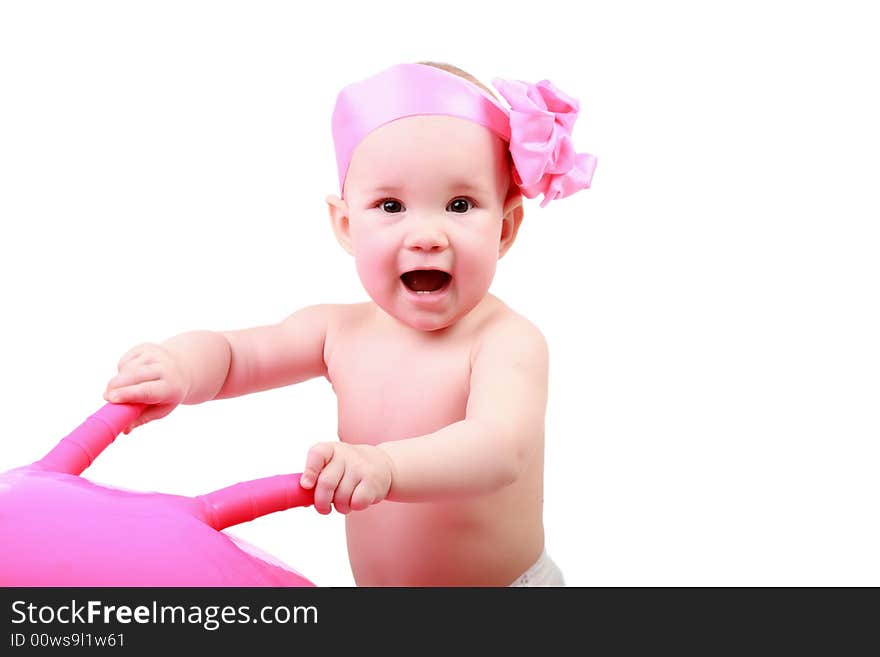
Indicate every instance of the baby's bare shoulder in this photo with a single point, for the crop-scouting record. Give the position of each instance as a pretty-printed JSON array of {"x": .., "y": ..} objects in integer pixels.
[
  {"x": 343, "y": 319},
  {"x": 505, "y": 328},
  {"x": 341, "y": 313}
]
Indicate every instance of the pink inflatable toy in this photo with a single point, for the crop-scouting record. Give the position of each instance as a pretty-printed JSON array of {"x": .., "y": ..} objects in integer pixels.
[{"x": 59, "y": 529}]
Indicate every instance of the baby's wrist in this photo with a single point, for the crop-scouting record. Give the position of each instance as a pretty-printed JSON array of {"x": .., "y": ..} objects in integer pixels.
[{"x": 391, "y": 466}]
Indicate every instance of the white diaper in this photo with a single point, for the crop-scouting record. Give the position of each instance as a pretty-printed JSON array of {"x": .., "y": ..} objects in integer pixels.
[{"x": 544, "y": 572}]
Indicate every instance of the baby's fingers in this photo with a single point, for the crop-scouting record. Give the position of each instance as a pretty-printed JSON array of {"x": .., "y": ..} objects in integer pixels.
[
  {"x": 328, "y": 481},
  {"x": 342, "y": 498},
  {"x": 364, "y": 495},
  {"x": 148, "y": 392},
  {"x": 133, "y": 376},
  {"x": 150, "y": 413},
  {"x": 319, "y": 456},
  {"x": 133, "y": 353}
]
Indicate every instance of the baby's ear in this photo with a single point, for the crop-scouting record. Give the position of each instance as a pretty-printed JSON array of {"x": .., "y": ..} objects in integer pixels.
[
  {"x": 339, "y": 222},
  {"x": 511, "y": 219}
]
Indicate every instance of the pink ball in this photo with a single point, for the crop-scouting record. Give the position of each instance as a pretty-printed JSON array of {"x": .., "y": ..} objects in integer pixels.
[{"x": 60, "y": 529}]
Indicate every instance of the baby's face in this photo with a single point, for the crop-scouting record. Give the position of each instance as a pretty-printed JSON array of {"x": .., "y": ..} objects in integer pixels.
[{"x": 426, "y": 198}]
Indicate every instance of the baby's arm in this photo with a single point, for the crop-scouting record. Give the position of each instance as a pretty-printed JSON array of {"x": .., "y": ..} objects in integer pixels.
[
  {"x": 197, "y": 366},
  {"x": 276, "y": 355},
  {"x": 503, "y": 424}
]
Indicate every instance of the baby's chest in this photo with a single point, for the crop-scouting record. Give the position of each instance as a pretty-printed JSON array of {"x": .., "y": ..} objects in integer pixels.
[{"x": 388, "y": 392}]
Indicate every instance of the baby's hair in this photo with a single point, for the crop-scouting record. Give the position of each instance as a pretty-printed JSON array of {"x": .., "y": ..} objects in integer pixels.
[{"x": 449, "y": 68}]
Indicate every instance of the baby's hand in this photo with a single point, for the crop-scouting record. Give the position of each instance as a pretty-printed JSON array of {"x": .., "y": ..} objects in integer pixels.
[
  {"x": 351, "y": 477},
  {"x": 148, "y": 374}
]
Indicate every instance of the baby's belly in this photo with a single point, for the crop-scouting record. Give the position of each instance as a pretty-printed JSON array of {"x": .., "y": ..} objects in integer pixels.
[{"x": 485, "y": 541}]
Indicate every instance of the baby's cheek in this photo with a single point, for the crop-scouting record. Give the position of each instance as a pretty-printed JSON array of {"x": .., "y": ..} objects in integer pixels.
[
  {"x": 375, "y": 267},
  {"x": 369, "y": 272},
  {"x": 475, "y": 273}
]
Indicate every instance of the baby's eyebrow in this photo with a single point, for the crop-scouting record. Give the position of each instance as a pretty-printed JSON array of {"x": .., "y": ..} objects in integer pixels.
[
  {"x": 459, "y": 185},
  {"x": 385, "y": 189},
  {"x": 464, "y": 185}
]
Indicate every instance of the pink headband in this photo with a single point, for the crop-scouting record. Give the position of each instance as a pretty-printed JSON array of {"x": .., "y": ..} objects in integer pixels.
[{"x": 537, "y": 126}]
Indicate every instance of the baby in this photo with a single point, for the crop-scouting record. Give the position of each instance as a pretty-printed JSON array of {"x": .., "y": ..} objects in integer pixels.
[{"x": 441, "y": 387}]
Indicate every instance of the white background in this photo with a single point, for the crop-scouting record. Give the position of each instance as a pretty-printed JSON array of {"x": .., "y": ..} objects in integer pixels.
[{"x": 711, "y": 305}]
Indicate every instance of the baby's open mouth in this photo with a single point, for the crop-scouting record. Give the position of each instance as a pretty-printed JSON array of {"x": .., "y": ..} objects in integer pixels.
[{"x": 425, "y": 281}]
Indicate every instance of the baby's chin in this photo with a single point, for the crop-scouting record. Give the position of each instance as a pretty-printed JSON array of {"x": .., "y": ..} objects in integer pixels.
[
  {"x": 423, "y": 320},
  {"x": 428, "y": 324}
]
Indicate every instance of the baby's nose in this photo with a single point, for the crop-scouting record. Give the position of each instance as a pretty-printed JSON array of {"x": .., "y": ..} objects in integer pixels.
[{"x": 427, "y": 235}]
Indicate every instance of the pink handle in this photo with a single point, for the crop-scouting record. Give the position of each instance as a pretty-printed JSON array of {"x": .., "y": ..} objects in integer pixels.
[
  {"x": 81, "y": 447},
  {"x": 251, "y": 499},
  {"x": 222, "y": 508}
]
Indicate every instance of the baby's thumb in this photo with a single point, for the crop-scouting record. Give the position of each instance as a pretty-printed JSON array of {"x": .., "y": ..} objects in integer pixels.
[
  {"x": 143, "y": 418},
  {"x": 150, "y": 413}
]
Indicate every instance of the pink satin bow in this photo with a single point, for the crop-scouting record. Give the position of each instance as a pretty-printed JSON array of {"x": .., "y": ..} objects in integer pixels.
[{"x": 541, "y": 121}]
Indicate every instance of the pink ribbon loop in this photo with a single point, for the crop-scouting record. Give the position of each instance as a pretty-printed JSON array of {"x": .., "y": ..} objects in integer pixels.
[{"x": 542, "y": 118}]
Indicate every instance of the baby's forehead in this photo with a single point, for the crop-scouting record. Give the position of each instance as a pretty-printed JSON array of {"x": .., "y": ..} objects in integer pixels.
[{"x": 441, "y": 145}]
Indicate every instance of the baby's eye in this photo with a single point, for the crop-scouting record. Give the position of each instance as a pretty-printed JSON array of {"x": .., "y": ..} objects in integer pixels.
[
  {"x": 391, "y": 206},
  {"x": 460, "y": 205}
]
